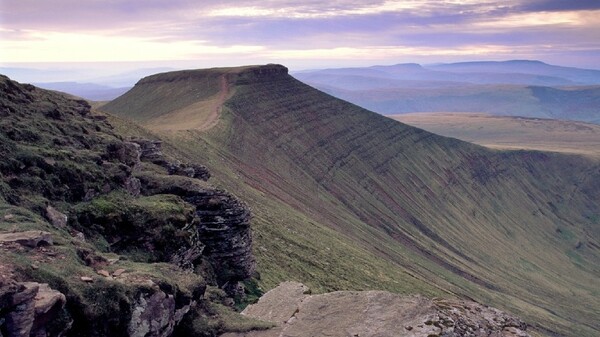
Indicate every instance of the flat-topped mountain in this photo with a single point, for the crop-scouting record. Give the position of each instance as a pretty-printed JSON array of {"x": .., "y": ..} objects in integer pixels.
[
  {"x": 346, "y": 199},
  {"x": 189, "y": 98}
]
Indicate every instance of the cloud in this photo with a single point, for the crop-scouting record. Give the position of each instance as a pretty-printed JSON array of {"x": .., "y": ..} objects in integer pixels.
[
  {"x": 291, "y": 29},
  {"x": 558, "y": 5},
  {"x": 41, "y": 46}
]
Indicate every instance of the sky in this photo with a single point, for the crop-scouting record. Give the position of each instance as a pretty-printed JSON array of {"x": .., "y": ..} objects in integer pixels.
[{"x": 300, "y": 34}]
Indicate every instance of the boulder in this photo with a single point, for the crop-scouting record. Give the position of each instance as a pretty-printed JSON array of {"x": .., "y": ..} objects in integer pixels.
[
  {"x": 155, "y": 315},
  {"x": 56, "y": 218},
  {"x": 48, "y": 304},
  {"x": 28, "y": 238},
  {"x": 30, "y": 307},
  {"x": 21, "y": 315},
  {"x": 151, "y": 150}
]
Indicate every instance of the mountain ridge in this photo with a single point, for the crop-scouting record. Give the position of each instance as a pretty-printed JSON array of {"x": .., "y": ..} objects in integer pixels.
[{"x": 436, "y": 208}]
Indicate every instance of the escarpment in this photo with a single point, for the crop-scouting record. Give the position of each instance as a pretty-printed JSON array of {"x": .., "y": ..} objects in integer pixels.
[
  {"x": 222, "y": 221},
  {"x": 349, "y": 199},
  {"x": 188, "y": 99},
  {"x": 106, "y": 236}
]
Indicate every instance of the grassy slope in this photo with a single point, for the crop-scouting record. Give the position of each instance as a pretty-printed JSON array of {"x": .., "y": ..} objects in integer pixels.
[
  {"x": 346, "y": 199},
  {"x": 507, "y": 132}
]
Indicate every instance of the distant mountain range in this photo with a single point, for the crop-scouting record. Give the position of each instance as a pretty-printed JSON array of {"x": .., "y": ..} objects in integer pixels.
[
  {"x": 90, "y": 84},
  {"x": 520, "y": 87},
  {"x": 91, "y": 91}
]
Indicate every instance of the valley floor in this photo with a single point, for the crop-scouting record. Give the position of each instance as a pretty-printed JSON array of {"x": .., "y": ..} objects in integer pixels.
[{"x": 509, "y": 132}]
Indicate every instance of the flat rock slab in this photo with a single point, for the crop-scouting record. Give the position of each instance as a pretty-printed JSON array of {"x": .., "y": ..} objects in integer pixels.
[
  {"x": 374, "y": 313},
  {"x": 47, "y": 298},
  {"x": 279, "y": 304},
  {"x": 28, "y": 238}
]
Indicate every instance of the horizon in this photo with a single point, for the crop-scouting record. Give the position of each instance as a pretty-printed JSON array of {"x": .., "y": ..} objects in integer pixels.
[
  {"x": 106, "y": 73},
  {"x": 298, "y": 34}
]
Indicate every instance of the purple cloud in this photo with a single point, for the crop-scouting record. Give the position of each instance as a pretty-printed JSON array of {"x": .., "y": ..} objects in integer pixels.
[{"x": 294, "y": 24}]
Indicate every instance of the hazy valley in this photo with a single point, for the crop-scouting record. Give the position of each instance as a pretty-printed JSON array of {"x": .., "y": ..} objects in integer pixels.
[{"x": 511, "y": 132}]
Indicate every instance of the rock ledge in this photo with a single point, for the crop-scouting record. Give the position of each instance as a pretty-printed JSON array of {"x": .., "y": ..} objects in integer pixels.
[{"x": 375, "y": 313}]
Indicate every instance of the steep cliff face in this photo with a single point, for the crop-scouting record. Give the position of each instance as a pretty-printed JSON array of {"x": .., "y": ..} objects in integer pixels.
[{"x": 94, "y": 238}]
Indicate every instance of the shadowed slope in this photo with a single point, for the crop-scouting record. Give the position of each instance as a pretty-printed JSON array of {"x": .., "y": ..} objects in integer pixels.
[{"x": 515, "y": 229}]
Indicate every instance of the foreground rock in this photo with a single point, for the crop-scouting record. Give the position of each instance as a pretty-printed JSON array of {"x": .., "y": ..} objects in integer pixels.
[
  {"x": 111, "y": 202},
  {"x": 156, "y": 315},
  {"x": 28, "y": 307},
  {"x": 27, "y": 238},
  {"x": 375, "y": 313}
]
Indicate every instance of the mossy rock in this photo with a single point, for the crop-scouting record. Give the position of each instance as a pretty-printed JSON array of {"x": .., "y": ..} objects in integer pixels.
[{"x": 149, "y": 228}]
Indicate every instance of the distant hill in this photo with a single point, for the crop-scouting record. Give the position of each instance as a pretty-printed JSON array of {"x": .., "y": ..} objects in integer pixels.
[
  {"x": 525, "y": 88},
  {"x": 576, "y": 75},
  {"x": 89, "y": 91},
  {"x": 95, "y": 84},
  {"x": 574, "y": 103},
  {"x": 347, "y": 199}
]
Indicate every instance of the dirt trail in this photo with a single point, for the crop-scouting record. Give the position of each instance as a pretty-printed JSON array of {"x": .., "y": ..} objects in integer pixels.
[
  {"x": 213, "y": 117},
  {"x": 201, "y": 115}
]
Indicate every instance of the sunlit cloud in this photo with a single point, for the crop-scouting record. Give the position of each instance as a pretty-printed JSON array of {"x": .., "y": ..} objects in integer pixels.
[
  {"x": 315, "y": 11},
  {"x": 286, "y": 30},
  {"x": 535, "y": 19},
  {"x": 385, "y": 52},
  {"x": 75, "y": 47}
]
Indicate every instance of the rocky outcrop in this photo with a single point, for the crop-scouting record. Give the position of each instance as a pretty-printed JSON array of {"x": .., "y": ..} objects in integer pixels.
[
  {"x": 128, "y": 153},
  {"x": 225, "y": 231},
  {"x": 27, "y": 308},
  {"x": 65, "y": 168},
  {"x": 222, "y": 224},
  {"x": 151, "y": 151},
  {"x": 155, "y": 315},
  {"x": 188, "y": 170},
  {"x": 375, "y": 313}
]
